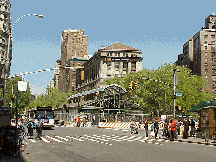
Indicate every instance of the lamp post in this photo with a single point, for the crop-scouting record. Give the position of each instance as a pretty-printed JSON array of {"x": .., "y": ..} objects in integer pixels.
[
  {"x": 10, "y": 36},
  {"x": 174, "y": 93}
]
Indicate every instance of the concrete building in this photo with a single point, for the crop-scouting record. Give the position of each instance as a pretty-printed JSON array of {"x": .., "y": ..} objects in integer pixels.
[
  {"x": 108, "y": 62},
  {"x": 5, "y": 30},
  {"x": 73, "y": 55},
  {"x": 200, "y": 50}
]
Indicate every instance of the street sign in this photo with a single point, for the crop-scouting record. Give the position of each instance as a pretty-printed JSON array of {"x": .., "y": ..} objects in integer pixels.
[
  {"x": 178, "y": 90},
  {"x": 179, "y": 94}
]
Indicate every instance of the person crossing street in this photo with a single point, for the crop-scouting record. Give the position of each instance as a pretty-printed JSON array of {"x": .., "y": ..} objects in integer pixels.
[
  {"x": 30, "y": 127},
  {"x": 39, "y": 127}
]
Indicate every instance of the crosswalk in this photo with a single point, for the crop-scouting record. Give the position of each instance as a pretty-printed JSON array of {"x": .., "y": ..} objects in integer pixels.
[{"x": 102, "y": 139}]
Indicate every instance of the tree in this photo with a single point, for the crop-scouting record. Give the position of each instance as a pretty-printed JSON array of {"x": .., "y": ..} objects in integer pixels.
[
  {"x": 156, "y": 97},
  {"x": 23, "y": 97},
  {"x": 53, "y": 97}
]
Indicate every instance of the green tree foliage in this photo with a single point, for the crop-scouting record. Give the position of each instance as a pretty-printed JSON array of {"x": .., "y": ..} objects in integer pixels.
[
  {"x": 52, "y": 97},
  {"x": 157, "y": 97},
  {"x": 23, "y": 97}
]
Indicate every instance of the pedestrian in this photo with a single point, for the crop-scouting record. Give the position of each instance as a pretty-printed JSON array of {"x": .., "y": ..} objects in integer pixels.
[
  {"x": 173, "y": 129},
  {"x": 84, "y": 121},
  {"x": 78, "y": 121},
  {"x": 192, "y": 124},
  {"x": 39, "y": 127},
  {"x": 146, "y": 128},
  {"x": 178, "y": 124},
  {"x": 186, "y": 128},
  {"x": 30, "y": 127},
  {"x": 156, "y": 128}
]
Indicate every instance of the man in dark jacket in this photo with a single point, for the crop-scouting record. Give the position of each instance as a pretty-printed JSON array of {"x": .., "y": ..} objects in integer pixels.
[
  {"x": 156, "y": 128},
  {"x": 192, "y": 124},
  {"x": 146, "y": 128},
  {"x": 186, "y": 128}
]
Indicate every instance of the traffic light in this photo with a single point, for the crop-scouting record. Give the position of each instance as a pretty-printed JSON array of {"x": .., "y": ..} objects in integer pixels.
[
  {"x": 82, "y": 75},
  {"x": 176, "y": 107},
  {"x": 134, "y": 86},
  {"x": 130, "y": 85}
]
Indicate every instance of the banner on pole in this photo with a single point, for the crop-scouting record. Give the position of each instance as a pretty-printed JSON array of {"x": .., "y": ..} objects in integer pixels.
[{"x": 22, "y": 86}]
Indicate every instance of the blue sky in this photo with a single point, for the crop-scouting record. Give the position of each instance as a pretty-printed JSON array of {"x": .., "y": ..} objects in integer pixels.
[{"x": 158, "y": 28}]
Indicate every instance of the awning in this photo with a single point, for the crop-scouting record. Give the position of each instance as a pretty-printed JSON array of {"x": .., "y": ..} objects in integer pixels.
[{"x": 202, "y": 104}]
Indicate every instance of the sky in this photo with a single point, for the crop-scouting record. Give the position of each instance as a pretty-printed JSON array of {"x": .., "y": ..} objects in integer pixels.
[{"x": 157, "y": 28}]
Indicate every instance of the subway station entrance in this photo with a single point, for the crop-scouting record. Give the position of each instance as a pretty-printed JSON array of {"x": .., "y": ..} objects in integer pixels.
[{"x": 106, "y": 104}]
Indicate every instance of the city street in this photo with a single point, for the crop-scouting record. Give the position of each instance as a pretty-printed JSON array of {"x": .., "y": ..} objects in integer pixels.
[{"x": 94, "y": 144}]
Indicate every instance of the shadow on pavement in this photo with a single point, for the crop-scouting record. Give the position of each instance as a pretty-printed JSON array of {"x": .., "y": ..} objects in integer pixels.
[{"x": 18, "y": 158}]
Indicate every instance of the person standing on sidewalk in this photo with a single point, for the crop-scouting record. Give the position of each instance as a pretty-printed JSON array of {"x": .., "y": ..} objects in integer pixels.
[
  {"x": 146, "y": 128},
  {"x": 156, "y": 128},
  {"x": 192, "y": 124},
  {"x": 173, "y": 129},
  {"x": 186, "y": 128}
]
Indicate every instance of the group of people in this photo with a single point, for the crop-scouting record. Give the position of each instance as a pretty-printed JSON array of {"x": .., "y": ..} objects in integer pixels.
[
  {"x": 38, "y": 127},
  {"x": 171, "y": 128},
  {"x": 84, "y": 121}
]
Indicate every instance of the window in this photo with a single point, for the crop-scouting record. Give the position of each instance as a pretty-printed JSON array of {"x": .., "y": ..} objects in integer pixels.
[
  {"x": 212, "y": 36},
  {"x": 205, "y": 36},
  {"x": 206, "y": 60},
  {"x": 212, "y": 42},
  {"x": 125, "y": 65},
  {"x": 133, "y": 66},
  {"x": 108, "y": 65},
  {"x": 115, "y": 54},
  {"x": 116, "y": 64},
  {"x": 206, "y": 64},
  {"x": 107, "y": 54},
  {"x": 206, "y": 53},
  {"x": 205, "y": 42},
  {"x": 205, "y": 47},
  {"x": 118, "y": 54},
  {"x": 123, "y": 54}
]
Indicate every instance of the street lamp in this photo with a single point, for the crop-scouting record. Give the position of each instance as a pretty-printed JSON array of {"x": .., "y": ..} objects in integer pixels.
[{"x": 10, "y": 35}]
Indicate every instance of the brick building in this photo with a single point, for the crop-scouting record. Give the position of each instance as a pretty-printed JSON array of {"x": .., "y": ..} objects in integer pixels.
[
  {"x": 199, "y": 53},
  {"x": 73, "y": 55}
]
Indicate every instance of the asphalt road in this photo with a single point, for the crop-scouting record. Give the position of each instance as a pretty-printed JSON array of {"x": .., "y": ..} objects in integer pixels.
[{"x": 125, "y": 148}]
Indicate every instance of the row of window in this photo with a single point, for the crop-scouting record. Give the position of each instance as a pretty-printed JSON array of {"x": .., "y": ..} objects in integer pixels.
[
  {"x": 212, "y": 36},
  {"x": 212, "y": 42},
  {"x": 123, "y": 55}
]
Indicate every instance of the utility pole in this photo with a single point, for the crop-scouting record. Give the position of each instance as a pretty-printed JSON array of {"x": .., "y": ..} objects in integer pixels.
[
  {"x": 174, "y": 90},
  {"x": 174, "y": 95}
]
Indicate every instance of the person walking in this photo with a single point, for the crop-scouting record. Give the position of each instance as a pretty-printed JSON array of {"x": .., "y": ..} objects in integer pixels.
[
  {"x": 156, "y": 128},
  {"x": 30, "y": 127},
  {"x": 146, "y": 128},
  {"x": 78, "y": 121},
  {"x": 186, "y": 128},
  {"x": 173, "y": 129},
  {"x": 39, "y": 127}
]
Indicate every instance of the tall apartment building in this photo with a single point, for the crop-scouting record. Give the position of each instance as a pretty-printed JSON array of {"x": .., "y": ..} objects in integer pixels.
[
  {"x": 201, "y": 52},
  {"x": 73, "y": 55},
  {"x": 108, "y": 62},
  {"x": 5, "y": 30}
]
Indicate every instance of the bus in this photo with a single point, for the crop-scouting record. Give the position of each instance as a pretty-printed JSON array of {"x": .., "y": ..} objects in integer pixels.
[{"x": 46, "y": 114}]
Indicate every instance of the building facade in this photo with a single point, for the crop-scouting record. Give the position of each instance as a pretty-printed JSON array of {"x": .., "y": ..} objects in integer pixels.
[
  {"x": 5, "y": 31},
  {"x": 200, "y": 53},
  {"x": 73, "y": 55},
  {"x": 108, "y": 62}
]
